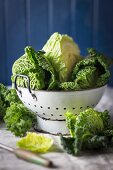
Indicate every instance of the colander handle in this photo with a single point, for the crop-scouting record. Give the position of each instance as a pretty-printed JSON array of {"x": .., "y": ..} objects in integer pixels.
[{"x": 15, "y": 84}]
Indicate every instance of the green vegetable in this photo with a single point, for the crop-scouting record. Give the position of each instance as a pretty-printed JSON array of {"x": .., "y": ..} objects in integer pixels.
[
  {"x": 4, "y": 91},
  {"x": 51, "y": 78},
  {"x": 85, "y": 79},
  {"x": 3, "y": 108},
  {"x": 90, "y": 72},
  {"x": 59, "y": 66},
  {"x": 63, "y": 54},
  {"x": 70, "y": 122},
  {"x": 100, "y": 73},
  {"x": 37, "y": 68},
  {"x": 19, "y": 119},
  {"x": 68, "y": 144},
  {"x": 89, "y": 129},
  {"x": 12, "y": 97},
  {"x": 35, "y": 143},
  {"x": 6, "y": 97},
  {"x": 93, "y": 143},
  {"x": 26, "y": 62},
  {"x": 28, "y": 65},
  {"x": 96, "y": 143},
  {"x": 90, "y": 120}
]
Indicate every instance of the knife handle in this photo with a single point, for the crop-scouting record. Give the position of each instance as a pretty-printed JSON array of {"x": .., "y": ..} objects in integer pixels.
[{"x": 32, "y": 157}]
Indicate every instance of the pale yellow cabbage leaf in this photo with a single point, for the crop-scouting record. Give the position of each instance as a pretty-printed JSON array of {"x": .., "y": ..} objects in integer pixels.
[{"x": 35, "y": 142}]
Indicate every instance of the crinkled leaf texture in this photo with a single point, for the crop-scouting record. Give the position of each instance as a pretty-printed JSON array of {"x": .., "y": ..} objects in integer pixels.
[
  {"x": 28, "y": 65},
  {"x": 63, "y": 53},
  {"x": 90, "y": 72},
  {"x": 35, "y": 142},
  {"x": 19, "y": 119},
  {"x": 83, "y": 127},
  {"x": 37, "y": 68}
]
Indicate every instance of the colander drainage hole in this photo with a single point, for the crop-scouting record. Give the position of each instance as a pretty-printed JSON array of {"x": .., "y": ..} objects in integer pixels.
[
  {"x": 35, "y": 105},
  {"x": 28, "y": 103},
  {"x": 64, "y": 108},
  {"x": 87, "y": 106},
  {"x": 43, "y": 113},
  {"x": 81, "y": 107},
  {"x": 57, "y": 108},
  {"x": 60, "y": 115},
  {"x": 41, "y": 107},
  {"x": 73, "y": 108},
  {"x": 51, "y": 114},
  {"x": 48, "y": 107}
]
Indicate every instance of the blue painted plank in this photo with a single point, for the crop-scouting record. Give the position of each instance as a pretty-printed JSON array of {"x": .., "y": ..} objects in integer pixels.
[
  {"x": 60, "y": 16},
  {"x": 38, "y": 22},
  {"x": 15, "y": 32},
  {"x": 105, "y": 30},
  {"x": 95, "y": 23},
  {"x": 72, "y": 18},
  {"x": 2, "y": 45},
  {"x": 84, "y": 24}
]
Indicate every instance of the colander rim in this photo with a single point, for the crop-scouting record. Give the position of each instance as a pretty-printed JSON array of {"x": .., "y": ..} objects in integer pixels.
[{"x": 67, "y": 91}]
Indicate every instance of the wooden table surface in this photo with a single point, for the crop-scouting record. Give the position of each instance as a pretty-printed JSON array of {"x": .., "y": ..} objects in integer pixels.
[{"x": 100, "y": 161}]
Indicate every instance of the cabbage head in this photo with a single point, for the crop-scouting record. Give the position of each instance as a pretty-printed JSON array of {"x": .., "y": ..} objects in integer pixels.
[{"x": 63, "y": 53}]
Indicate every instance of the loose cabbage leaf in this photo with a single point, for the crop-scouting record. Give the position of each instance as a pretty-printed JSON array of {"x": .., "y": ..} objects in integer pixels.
[
  {"x": 19, "y": 119},
  {"x": 70, "y": 122},
  {"x": 83, "y": 127},
  {"x": 4, "y": 91},
  {"x": 93, "y": 143},
  {"x": 96, "y": 142},
  {"x": 35, "y": 142},
  {"x": 12, "y": 97},
  {"x": 68, "y": 144},
  {"x": 3, "y": 108}
]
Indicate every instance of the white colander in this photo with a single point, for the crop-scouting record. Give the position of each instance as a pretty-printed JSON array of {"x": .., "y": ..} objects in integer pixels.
[{"x": 50, "y": 106}]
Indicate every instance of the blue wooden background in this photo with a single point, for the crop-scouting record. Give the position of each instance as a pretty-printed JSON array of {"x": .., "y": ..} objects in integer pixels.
[{"x": 31, "y": 22}]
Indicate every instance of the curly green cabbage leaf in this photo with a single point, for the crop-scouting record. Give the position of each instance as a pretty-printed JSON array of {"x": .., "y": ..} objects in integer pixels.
[
  {"x": 101, "y": 72},
  {"x": 37, "y": 68},
  {"x": 84, "y": 79},
  {"x": 19, "y": 119},
  {"x": 12, "y": 97},
  {"x": 4, "y": 91},
  {"x": 70, "y": 122},
  {"x": 35, "y": 142},
  {"x": 28, "y": 65},
  {"x": 68, "y": 144},
  {"x": 63, "y": 54},
  {"x": 3, "y": 108},
  {"x": 26, "y": 62},
  {"x": 96, "y": 142},
  {"x": 7, "y": 96},
  {"x": 51, "y": 77},
  {"x": 90, "y": 72},
  {"x": 83, "y": 126},
  {"x": 90, "y": 130}
]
